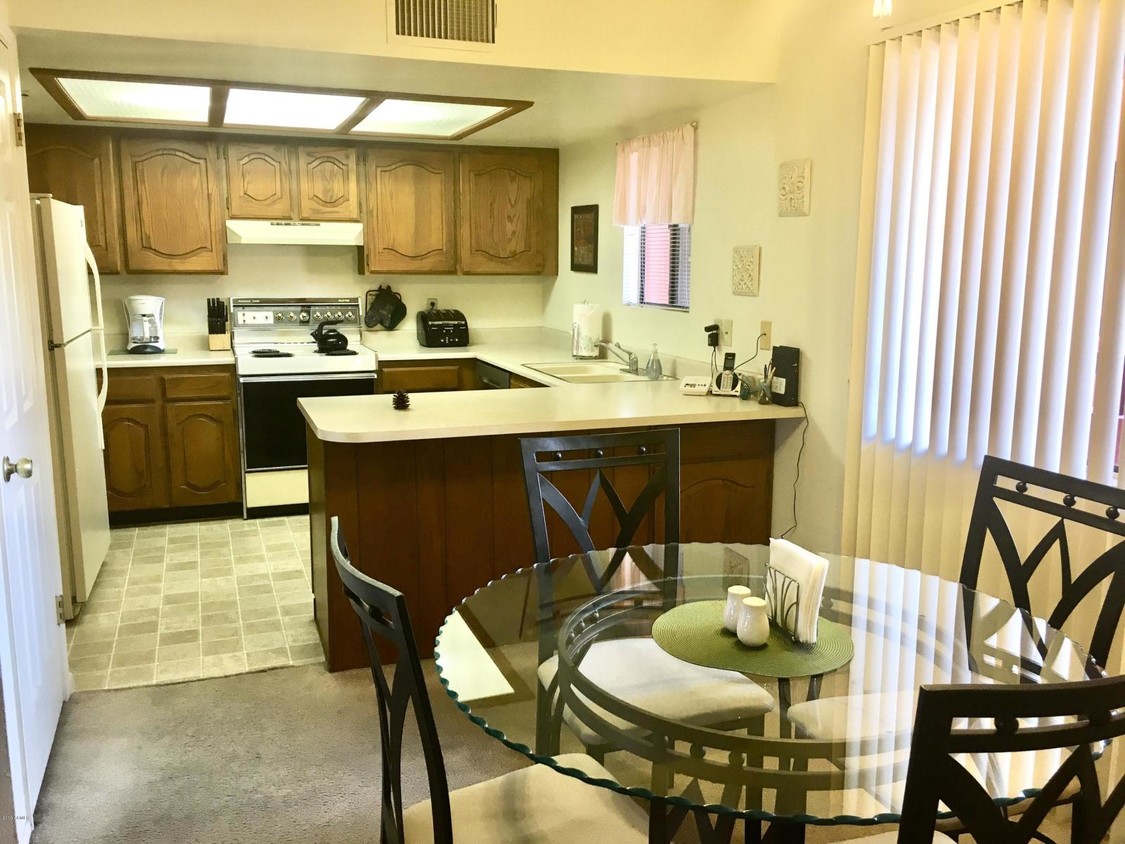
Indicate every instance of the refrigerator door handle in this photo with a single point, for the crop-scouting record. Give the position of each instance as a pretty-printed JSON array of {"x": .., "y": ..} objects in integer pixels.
[{"x": 99, "y": 329}]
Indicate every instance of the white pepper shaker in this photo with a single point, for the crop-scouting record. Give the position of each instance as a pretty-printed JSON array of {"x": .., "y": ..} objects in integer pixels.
[{"x": 753, "y": 623}]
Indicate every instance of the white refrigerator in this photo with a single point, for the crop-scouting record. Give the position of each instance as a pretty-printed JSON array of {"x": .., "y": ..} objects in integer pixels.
[{"x": 70, "y": 296}]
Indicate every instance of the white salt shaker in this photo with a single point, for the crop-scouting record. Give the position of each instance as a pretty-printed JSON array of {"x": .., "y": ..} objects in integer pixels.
[
  {"x": 753, "y": 623},
  {"x": 735, "y": 594}
]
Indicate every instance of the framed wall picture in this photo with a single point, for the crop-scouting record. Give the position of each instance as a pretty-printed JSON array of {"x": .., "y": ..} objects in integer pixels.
[{"x": 584, "y": 238}]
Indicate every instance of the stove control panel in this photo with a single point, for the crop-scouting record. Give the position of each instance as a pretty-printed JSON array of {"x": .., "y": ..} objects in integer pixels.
[{"x": 250, "y": 313}]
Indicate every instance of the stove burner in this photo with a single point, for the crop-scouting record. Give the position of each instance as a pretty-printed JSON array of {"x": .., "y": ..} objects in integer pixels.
[
  {"x": 270, "y": 353},
  {"x": 336, "y": 353}
]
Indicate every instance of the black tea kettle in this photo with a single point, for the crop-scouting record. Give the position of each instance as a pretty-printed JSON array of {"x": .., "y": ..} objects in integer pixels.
[{"x": 329, "y": 339}]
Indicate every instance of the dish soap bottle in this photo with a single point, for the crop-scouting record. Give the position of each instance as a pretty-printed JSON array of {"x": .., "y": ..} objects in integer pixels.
[{"x": 653, "y": 369}]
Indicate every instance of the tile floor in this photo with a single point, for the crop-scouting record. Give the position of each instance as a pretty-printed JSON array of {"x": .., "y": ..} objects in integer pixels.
[{"x": 197, "y": 599}]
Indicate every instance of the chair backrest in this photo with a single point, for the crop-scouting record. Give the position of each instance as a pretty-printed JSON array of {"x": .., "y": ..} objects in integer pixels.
[
  {"x": 1074, "y": 719},
  {"x": 383, "y": 615},
  {"x": 544, "y": 458},
  {"x": 1072, "y": 501}
]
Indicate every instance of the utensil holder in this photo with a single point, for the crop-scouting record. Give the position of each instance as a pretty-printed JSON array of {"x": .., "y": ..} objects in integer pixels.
[{"x": 218, "y": 342}]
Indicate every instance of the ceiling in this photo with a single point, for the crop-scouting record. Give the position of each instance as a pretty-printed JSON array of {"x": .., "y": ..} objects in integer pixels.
[{"x": 569, "y": 106}]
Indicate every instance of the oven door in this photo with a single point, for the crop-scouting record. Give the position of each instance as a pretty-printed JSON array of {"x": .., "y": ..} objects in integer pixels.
[{"x": 273, "y": 429}]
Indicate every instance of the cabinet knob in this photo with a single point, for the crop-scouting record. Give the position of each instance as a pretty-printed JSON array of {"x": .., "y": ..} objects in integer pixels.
[{"x": 22, "y": 467}]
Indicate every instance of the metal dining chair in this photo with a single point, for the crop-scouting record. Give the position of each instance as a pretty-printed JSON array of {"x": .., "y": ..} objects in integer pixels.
[
  {"x": 1070, "y": 502},
  {"x": 632, "y": 478},
  {"x": 1005, "y": 490},
  {"x": 955, "y": 726},
  {"x": 530, "y": 804}
]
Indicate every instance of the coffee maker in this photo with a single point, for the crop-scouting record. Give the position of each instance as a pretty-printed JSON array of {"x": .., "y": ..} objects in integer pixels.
[{"x": 144, "y": 316}]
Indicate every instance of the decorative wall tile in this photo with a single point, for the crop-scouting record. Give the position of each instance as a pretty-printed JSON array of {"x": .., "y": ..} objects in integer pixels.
[
  {"x": 794, "y": 187},
  {"x": 745, "y": 266}
]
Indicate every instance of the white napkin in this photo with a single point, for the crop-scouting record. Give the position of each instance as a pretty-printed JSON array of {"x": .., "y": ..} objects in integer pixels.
[{"x": 810, "y": 571}]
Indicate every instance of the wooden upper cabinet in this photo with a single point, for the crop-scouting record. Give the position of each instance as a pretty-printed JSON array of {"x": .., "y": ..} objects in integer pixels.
[
  {"x": 327, "y": 184},
  {"x": 78, "y": 166},
  {"x": 172, "y": 206},
  {"x": 509, "y": 212},
  {"x": 260, "y": 181},
  {"x": 411, "y": 211}
]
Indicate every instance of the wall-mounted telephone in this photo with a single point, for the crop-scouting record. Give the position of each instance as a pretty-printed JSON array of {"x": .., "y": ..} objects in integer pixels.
[{"x": 726, "y": 382}]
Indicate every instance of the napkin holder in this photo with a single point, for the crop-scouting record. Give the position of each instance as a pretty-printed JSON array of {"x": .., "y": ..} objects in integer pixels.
[{"x": 783, "y": 601}]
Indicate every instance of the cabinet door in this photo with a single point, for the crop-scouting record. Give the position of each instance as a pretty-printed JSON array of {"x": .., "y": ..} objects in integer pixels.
[
  {"x": 411, "y": 211},
  {"x": 136, "y": 472},
  {"x": 327, "y": 185},
  {"x": 172, "y": 206},
  {"x": 259, "y": 180},
  {"x": 509, "y": 212},
  {"x": 203, "y": 453},
  {"x": 79, "y": 167}
]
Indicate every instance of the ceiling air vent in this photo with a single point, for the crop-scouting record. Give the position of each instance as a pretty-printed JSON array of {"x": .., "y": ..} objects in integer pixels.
[{"x": 447, "y": 20}]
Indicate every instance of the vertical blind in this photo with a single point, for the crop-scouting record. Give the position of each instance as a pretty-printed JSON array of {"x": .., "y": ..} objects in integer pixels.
[{"x": 990, "y": 315}]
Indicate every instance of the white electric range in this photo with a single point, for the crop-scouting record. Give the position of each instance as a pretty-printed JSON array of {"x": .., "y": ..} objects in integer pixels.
[{"x": 277, "y": 363}]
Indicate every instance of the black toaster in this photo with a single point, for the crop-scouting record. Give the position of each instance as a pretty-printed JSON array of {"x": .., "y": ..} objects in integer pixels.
[{"x": 442, "y": 327}]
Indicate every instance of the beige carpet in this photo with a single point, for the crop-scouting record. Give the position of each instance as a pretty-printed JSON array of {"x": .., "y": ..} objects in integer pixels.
[{"x": 289, "y": 755}]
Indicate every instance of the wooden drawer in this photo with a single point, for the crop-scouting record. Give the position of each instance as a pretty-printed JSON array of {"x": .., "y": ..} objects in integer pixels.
[
  {"x": 199, "y": 385},
  {"x": 132, "y": 387},
  {"x": 420, "y": 379},
  {"x": 724, "y": 440}
]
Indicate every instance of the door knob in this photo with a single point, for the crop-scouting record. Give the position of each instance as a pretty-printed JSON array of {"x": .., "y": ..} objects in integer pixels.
[{"x": 22, "y": 467}]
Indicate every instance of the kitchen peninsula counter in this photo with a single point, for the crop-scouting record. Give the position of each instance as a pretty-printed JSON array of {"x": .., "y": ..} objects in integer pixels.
[{"x": 431, "y": 500}]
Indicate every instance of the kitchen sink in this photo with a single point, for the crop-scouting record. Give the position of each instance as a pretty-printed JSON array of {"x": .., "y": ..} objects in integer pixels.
[{"x": 589, "y": 372}]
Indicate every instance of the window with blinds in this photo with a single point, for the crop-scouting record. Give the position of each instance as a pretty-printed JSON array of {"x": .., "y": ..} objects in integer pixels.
[
  {"x": 990, "y": 286},
  {"x": 657, "y": 267}
]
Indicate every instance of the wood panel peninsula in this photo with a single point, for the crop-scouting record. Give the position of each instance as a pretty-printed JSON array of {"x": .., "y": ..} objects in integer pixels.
[{"x": 431, "y": 500}]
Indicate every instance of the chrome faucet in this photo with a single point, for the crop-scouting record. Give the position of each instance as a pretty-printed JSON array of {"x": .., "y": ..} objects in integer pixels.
[{"x": 622, "y": 354}]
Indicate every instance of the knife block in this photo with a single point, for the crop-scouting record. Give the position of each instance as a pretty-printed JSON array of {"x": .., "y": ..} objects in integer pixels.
[{"x": 218, "y": 342}]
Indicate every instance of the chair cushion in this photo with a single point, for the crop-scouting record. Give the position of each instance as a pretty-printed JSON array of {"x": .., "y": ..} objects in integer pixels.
[
  {"x": 641, "y": 673},
  {"x": 872, "y": 717},
  {"x": 536, "y": 804}
]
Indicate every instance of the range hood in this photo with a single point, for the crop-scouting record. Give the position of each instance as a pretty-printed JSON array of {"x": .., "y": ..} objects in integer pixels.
[{"x": 294, "y": 232}]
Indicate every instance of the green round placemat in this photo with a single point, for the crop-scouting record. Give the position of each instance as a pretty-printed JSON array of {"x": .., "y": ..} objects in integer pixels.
[{"x": 694, "y": 633}]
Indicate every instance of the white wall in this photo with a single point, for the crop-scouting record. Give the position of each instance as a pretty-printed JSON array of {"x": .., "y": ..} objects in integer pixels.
[
  {"x": 488, "y": 302},
  {"x": 719, "y": 39},
  {"x": 815, "y": 110}
]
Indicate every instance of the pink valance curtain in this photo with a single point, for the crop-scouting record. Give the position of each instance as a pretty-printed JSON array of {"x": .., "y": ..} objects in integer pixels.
[{"x": 656, "y": 179}]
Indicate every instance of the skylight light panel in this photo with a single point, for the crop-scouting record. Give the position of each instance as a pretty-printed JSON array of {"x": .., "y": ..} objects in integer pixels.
[
  {"x": 288, "y": 109},
  {"x": 114, "y": 99},
  {"x": 416, "y": 117}
]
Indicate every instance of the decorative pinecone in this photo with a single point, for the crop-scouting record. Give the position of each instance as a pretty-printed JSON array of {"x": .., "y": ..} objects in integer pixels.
[{"x": 401, "y": 400}]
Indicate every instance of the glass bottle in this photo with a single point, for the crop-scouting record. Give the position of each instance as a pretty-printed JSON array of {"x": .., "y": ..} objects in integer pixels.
[{"x": 653, "y": 369}]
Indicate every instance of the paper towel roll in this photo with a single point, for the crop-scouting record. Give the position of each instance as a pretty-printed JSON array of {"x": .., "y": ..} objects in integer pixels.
[{"x": 586, "y": 330}]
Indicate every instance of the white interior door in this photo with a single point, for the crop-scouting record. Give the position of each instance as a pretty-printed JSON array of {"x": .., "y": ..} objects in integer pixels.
[{"x": 32, "y": 643}]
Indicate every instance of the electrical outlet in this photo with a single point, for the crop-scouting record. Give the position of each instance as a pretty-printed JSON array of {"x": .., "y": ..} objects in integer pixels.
[
  {"x": 767, "y": 329},
  {"x": 431, "y": 303},
  {"x": 726, "y": 333}
]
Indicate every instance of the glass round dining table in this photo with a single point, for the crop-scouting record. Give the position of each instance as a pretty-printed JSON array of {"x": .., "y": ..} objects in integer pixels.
[{"x": 832, "y": 748}]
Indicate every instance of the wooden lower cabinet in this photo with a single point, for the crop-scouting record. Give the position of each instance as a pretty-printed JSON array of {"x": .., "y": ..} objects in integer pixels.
[
  {"x": 439, "y": 519},
  {"x": 136, "y": 468},
  {"x": 171, "y": 438},
  {"x": 202, "y": 453}
]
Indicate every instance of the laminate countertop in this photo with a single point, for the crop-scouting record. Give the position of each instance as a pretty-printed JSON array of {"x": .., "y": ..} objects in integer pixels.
[
  {"x": 476, "y": 413},
  {"x": 188, "y": 350}
]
